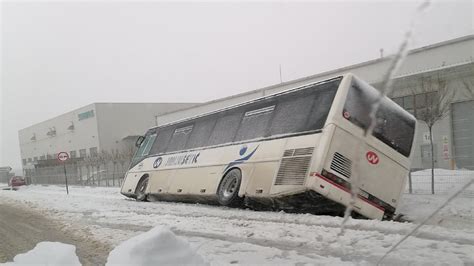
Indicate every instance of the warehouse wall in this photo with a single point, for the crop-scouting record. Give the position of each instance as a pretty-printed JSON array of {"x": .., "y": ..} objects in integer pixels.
[
  {"x": 97, "y": 126},
  {"x": 83, "y": 135},
  {"x": 119, "y": 120}
]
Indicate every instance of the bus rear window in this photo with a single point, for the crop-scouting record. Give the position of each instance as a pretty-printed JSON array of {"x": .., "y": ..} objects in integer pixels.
[{"x": 394, "y": 126}]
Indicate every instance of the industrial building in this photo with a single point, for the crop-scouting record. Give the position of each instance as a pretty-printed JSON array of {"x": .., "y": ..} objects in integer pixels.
[
  {"x": 89, "y": 130},
  {"x": 449, "y": 63},
  {"x": 5, "y": 174}
]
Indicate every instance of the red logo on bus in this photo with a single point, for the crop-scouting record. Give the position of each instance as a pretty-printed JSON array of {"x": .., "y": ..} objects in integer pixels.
[
  {"x": 372, "y": 157},
  {"x": 346, "y": 115}
]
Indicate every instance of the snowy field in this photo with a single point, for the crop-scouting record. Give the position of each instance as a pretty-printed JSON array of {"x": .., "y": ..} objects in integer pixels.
[{"x": 233, "y": 236}]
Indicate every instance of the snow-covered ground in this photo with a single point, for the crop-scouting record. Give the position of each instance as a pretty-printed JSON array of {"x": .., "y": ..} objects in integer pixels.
[{"x": 222, "y": 235}]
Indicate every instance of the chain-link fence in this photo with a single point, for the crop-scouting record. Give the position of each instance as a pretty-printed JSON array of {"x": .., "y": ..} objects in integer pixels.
[
  {"x": 445, "y": 182},
  {"x": 80, "y": 173}
]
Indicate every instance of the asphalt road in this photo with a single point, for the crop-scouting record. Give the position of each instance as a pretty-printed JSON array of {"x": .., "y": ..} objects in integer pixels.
[{"x": 21, "y": 229}]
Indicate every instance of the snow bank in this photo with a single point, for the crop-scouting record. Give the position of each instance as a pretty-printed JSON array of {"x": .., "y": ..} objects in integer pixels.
[
  {"x": 48, "y": 253},
  {"x": 159, "y": 246}
]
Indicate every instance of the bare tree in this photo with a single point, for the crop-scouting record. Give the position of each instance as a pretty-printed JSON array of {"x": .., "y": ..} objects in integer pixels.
[
  {"x": 92, "y": 163},
  {"x": 115, "y": 156},
  {"x": 468, "y": 85},
  {"x": 89, "y": 163},
  {"x": 126, "y": 154},
  {"x": 438, "y": 97},
  {"x": 102, "y": 159}
]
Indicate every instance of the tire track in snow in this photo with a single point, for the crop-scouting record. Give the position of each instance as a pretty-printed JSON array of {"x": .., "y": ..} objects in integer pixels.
[
  {"x": 314, "y": 239},
  {"x": 301, "y": 247},
  {"x": 429, "y": 232},
  {"x": 186, "y": 210}
]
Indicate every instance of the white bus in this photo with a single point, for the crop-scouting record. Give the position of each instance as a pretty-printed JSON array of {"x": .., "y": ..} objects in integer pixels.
[{"x": 294, "y": 149}]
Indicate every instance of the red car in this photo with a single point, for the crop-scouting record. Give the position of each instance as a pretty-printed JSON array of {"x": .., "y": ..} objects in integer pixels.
[{"x": 17, "y": 181}]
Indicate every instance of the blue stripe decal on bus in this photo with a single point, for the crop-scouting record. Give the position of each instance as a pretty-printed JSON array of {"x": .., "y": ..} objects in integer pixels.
[{"x": 241, "y": 160}]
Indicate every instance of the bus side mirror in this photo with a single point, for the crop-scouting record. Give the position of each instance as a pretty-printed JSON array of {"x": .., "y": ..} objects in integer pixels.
[{"x": 139, "y": 141}]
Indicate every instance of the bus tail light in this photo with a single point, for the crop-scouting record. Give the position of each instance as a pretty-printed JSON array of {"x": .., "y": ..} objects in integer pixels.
[
  {"x": 334, "y": 178},
  {"x": 363, "y": 194}
]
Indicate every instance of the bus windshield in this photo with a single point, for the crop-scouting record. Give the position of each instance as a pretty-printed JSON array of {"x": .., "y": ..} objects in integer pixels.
[
  {"x": 144, "y": 148},
  {"x": 394, "y": 126}
]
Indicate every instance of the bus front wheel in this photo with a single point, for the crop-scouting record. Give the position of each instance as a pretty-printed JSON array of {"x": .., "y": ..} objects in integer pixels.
[
  {"x": 228, "y": 191},
  {"x": 141, "y": 189}
]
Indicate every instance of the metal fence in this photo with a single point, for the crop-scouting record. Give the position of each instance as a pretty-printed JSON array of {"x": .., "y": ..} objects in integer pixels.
[
  {"x": 105, "y": 174},
  {"x": 112, "y": 174},
  {"x": 445, "y": 182}
]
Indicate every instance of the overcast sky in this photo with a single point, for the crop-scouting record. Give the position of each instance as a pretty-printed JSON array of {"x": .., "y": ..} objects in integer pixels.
[{"x": 63, "y": 55}]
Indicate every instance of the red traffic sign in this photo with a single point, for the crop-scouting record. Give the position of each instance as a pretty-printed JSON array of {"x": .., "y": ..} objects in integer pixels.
[{"x": 63, "y": 156}]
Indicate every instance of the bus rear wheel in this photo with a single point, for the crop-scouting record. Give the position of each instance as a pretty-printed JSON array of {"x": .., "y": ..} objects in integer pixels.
[
  {"x": 228, "y": 191},
  {"x": 141, "y": 189}
]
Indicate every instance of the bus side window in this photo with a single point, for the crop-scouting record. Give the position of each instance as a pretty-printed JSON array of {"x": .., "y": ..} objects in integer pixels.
[
  {"x": 179, "y": 138},
  {"x": 255, "y": 122},
  {"x": 201, "y": 132},
  {"x": 226, "y": 128},
  {"x": 162, "y": 140},
  {"x": 322, "y": 104},
  {"x": 291, "y": 115}
]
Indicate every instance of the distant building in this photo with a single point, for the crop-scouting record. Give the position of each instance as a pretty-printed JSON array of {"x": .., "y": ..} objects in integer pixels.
[
  {"x": 5, "y": 174},
  {"x": 451, "y": 61},
  {"x": 89, "y": 130}
]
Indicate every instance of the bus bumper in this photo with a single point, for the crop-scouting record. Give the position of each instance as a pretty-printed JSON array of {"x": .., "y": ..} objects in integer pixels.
[{"x": 341, "y": 194}]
